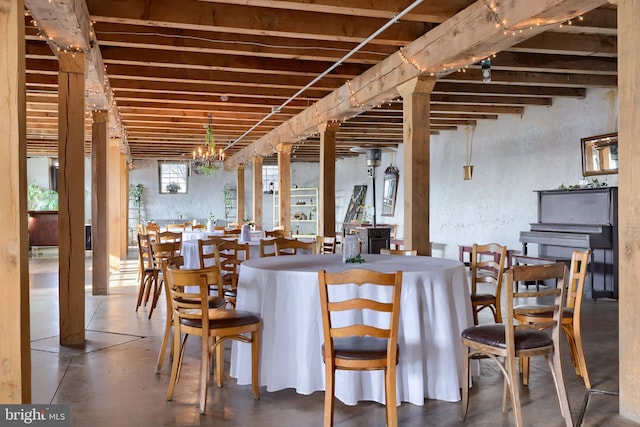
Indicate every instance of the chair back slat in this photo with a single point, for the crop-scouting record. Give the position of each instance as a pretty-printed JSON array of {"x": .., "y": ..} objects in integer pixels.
[
  {"x": 291, "y": 246},
  {"x": 577, "y": 278},
  {"x": 331, "y": 283},
  {"x": 519, "y": 303},
  {"x": 405, "y": 252},
  {"x": 326, "y": 245}
]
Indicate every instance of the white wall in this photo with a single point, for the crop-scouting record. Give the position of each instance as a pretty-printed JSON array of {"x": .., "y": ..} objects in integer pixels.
[{"x": 512, "y": 157}]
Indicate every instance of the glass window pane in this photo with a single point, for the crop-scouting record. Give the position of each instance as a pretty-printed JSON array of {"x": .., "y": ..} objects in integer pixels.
[
  {"x": 173, "y": 177},
  {"x": 269, "y": 179}
]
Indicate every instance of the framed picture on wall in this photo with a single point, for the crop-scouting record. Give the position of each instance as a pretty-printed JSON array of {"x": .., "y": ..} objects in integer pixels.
[{"x": 354, "y": 211}]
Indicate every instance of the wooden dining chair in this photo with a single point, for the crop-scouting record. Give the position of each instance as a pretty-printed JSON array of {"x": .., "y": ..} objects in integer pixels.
[
  {"x": 571, "y": 315},
  {"x": 170, "y": 237},
  {"x": 181, "y": 226},
  {"x": 207, "y": 257},
  {"x": 267, "y": 247},
  {"x": 214, "y": 302},
  {"x": 192, "y": 316},
  {"x": 292, "y": 246},
  {"x": 360, "y": 345},
  {"x": 147, "y": 275},
  {"x": 229, "y": 255},
  {"x": 487, "y": 267},
  {"x": 277, "y": 233},
  {"x": 207, "y": 250},
  {"x": 404, "y": 252},
  {"x": 198, "y": 227},
  {"x": 326, "y": 245},
  {"x": 511, "y": 339},
  {"x": 152, "y": 229},
  {"x": 232, "y": 232},
  {"x": 161, "y": 252}
]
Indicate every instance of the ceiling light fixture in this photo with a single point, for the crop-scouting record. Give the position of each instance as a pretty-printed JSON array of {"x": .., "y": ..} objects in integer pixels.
[{"x": 205, "y": 157}]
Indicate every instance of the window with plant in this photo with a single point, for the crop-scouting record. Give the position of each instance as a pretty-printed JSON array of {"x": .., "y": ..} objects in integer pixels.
[{"x": 173, "y": 177}]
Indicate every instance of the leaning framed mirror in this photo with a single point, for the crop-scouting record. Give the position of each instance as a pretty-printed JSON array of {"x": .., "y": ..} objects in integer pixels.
[
  {"x": 389, "y": 191},
  {"x": 600, "y": 154}
]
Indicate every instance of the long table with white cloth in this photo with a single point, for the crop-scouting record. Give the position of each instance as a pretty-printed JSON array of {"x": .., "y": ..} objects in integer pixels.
[{"x": 435, "y": 308}]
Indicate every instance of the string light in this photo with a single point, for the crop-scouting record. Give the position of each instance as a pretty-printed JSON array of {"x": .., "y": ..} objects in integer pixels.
[{"x": 60, "y": 47}]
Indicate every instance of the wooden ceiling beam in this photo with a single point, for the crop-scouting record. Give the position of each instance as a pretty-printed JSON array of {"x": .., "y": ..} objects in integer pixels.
[
  {"x": 436, "y": 12},
  {"x": 68, "y": 26},
  {"x": 217, "y": 43},
  {"x": 569, "y": 44},
  {"x": 460, "y": 41},
  {"x": 198, "y": 15},
  {"x": 536, "y": 79},
  {"x": 553, "y": 63}
]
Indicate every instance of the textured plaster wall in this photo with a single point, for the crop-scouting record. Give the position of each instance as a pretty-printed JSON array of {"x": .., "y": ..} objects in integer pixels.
[{"x": 512, "y": 157}]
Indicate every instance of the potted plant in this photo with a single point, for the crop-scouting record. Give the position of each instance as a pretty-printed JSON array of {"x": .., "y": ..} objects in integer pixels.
[
  {"x": 39, "y": 199},
  {"x": 173, "y": 187}
]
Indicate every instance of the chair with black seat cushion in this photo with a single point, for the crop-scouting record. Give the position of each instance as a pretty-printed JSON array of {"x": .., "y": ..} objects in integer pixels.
[
  {"x": 487, "y": 267},
  {"x": 360, "y": 345},
  {"x": 192, "y": 316},
  {"x": 511, "y": 340},
  {"x": 571, "y": 314},
  {"x": 214, "y": 302}
]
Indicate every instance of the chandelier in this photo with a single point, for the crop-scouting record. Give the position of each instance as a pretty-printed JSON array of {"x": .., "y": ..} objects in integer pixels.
[{"x": 205, "y": 157}]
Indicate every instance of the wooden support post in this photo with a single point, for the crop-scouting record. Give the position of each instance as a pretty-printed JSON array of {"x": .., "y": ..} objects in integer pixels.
[
  {"x": 114, "y": 178},
  {"x": 629, "y": 205},
  {"x": 284, "y": 184},
  {"x": 257, "y": 192},
  {"x": 15, "y": 352},
  {"x": 124, "y": 205},
  {"x": 71, "y": 193},
  {"x": 327, "y": 202},
  {"x": 415, "y": 141},
  {"x": 99, "y": 205},
  {"x": 240, "y": 211}
]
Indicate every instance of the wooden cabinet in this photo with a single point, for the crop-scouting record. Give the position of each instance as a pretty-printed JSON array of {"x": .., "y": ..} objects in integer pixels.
[{"x": 43, "y": 228}]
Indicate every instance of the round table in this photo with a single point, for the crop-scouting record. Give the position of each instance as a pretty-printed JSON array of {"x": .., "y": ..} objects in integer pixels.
[{"x": 435, "y": 308}]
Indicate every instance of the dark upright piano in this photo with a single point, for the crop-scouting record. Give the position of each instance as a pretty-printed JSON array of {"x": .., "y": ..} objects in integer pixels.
[{"x": 580, "y": 219}]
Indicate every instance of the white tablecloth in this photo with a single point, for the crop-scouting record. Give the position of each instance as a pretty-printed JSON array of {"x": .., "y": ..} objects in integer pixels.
[
  {"x": 435, "y": 308},
  {"x": 201, "y": 234}
]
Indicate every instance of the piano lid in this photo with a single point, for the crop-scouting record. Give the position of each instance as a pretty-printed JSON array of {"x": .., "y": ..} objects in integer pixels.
[{"x": 571, "y": 228}]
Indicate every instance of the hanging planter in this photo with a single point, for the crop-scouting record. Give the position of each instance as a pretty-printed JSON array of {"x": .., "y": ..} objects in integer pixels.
[{"x": 468, "y": 168}]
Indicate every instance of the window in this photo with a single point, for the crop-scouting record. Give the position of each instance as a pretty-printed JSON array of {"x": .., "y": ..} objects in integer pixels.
[
  {"x": 173, "y": 177},
  {"x": 269, "y": 179}
]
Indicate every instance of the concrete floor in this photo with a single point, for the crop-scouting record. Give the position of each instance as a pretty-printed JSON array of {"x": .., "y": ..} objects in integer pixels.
[{"x": 111, "y": 382}]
